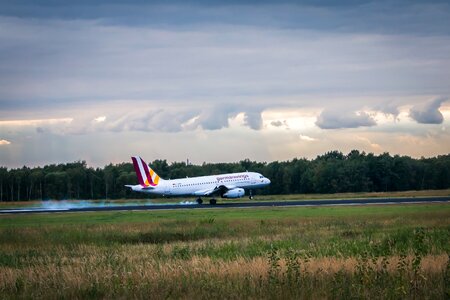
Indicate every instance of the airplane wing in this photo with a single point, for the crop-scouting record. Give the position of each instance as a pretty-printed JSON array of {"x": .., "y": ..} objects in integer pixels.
[
  {"x": 210, "y": 191},
  {"x": 205, "y": 192}
]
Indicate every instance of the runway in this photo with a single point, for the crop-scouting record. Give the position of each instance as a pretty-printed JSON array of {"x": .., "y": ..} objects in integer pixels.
[{"x": 279, "y": 203}]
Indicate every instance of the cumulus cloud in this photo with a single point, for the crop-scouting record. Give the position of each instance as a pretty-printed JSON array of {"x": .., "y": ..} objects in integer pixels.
[
  {"x": 253, "y": 120},
  {"x": 276, "y": 123},
  {"x": 388, "y": 108},
  {"x": 167, "y": 120},
  {"x": 212, "y": 119},
  {"x": 4, "y": 142},
  {"x": 334, "y": 119},
  {"x": 217, "y": 117},
  {"x": 151, "y": 121},
  {"x": 279, "y": 124},
  {"x": 428, "y": 113}
]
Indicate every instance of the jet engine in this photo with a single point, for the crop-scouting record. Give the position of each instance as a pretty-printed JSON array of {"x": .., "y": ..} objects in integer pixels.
[{"x": 234, "y": 193}]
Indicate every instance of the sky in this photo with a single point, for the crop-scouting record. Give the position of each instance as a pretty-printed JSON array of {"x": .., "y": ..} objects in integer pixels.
[{"x": 221, "y": 81}]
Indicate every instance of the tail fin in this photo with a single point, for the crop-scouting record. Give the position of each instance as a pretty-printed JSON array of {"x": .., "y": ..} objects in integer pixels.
[{"x": 146, "y": 176}]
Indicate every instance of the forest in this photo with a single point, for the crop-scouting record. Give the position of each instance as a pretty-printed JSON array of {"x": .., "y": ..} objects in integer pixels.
[{"x": 332, "y": 172}]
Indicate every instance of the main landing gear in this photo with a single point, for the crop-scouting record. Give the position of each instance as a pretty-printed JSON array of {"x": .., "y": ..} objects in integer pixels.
[
  {"x": 250, "y": 195},
  {"x": 211, "y": 201}
]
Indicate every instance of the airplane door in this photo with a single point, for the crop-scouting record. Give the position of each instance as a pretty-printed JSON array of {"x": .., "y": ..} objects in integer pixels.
[{"x": 167, "y": 189}]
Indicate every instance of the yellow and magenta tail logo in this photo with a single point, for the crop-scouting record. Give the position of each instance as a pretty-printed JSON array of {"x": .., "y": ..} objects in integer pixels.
[
  {"x": 153, "y": 179},
  {"x": 146, "y": 176}
]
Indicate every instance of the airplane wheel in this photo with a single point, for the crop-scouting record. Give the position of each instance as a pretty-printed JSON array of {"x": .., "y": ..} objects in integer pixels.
[
  {"x": 213, "y": 201},
  {"x": 250, "y": 197},
  {"x": 199, "y": 201}
]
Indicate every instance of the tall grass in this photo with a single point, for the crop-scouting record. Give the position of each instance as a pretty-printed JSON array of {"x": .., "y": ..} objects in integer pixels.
[
  {"x": 117, "y": 273},
  {"x": 384, "y": 255}
]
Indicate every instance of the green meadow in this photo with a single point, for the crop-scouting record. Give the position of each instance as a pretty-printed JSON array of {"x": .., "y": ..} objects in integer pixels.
[{"x": 378, "y": 251}]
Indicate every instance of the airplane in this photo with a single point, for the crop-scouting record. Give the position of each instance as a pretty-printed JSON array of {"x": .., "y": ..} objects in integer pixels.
[{"x": 231, "y": 185}]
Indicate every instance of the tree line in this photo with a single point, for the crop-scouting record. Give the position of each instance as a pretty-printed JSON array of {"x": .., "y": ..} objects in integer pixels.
[{"x": 332, "y": 172}]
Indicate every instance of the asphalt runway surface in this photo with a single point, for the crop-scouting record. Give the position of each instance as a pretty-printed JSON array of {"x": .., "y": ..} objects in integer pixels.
[{"x": 279, "y": 203}]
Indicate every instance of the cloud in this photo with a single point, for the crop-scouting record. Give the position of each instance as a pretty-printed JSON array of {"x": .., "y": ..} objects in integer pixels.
[
  {"x": 388, "y": 108},
  {"x": 40, "y": 130},
  {"x": 4, "y": 142},
  {"x": 428, "y": 113},
  {"x": 36, "y": 122},
  {"x": 170, "y": 120},
  {"x": 147, "y": 119},
  {"x": 253, "y": 120},
  {"x": 150, "y": 120},
  {"x": 217, "y": 117},
  {"x": 214, "y": 118},
  {"x": 100, "y": 119},
  {"x": 277, "y": 123},
  {"x": 176, "y": 120},
  {"x": 307, "y": 138},
  {"x": 223, "y": 63},
  {"x": 180, "y": 71},
  {"x": 374, "y": 16},
  {"x": 372, "y": 146},
  {"x": 334, "y": 119}
]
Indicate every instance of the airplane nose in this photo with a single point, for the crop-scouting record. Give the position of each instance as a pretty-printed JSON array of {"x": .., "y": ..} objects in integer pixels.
[{"x": 267, "y": 180}]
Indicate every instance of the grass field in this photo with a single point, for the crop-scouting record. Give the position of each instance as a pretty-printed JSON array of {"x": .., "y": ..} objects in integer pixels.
[{"x": 392, "y": 251}]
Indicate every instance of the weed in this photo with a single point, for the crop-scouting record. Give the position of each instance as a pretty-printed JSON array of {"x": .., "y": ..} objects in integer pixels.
[
  {"x": 447, "y": 278},
  {"x": 274, "y": 265},
  {"x": 208, "y": 221},
  {"x": 181, "y": 253},
  {"x": 293, "y": 267}
]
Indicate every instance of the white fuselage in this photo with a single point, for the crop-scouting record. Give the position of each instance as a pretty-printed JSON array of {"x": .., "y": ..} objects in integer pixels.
[{"x": 203, "y": 185}]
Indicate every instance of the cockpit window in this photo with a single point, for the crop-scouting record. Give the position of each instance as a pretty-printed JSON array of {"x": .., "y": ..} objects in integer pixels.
[{"x": 261, "y": 176}]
